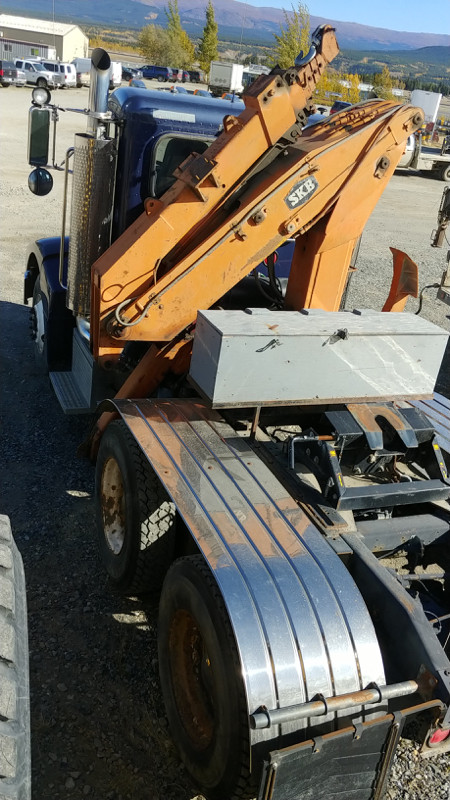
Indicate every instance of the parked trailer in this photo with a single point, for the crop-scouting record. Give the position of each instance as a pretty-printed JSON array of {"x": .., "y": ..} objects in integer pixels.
[
  {"x": 263, "y": 458},
  {"x": 225, "y": 77},
  {"x": 427, "y": 159}
]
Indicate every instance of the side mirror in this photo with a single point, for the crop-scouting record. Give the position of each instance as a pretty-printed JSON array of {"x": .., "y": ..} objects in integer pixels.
[
  {"x": 40, "y": 181},
  {"x": 38, "y": 136}
]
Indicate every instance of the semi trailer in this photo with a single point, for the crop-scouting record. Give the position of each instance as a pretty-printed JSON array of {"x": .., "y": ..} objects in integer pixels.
[{"x": 263, "y": 458}]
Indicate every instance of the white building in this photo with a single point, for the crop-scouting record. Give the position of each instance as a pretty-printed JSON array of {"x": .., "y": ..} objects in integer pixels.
[{"x": 25, "y": 37}]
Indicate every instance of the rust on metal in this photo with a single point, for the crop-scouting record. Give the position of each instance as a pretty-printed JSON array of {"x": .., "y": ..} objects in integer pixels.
[
  {"x": 367, "y": 416},
  {"x": 190, "y": 666}
]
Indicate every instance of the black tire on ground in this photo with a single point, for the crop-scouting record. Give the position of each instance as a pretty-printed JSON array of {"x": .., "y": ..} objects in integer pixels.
[
  {"x": 15, "y": 758},
  {"x": 202, "y": 684},
  {"x": 135, "y": 517},
  {"x": 445, "y": 173},
  {"x": 160, "y": 79},
  {"x": 42, "y": 83}
]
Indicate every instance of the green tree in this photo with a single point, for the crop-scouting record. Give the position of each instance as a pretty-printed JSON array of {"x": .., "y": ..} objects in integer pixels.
[
  {"x": 155, "y": 45},
  {"x": 294, "y": 37},
  {"x": 174, "y": 27},
  {"x": 187, "y": 52},
  {"x": 207, "y": 47},
  {"x": 382, "y": 84},
  {"x": 182, "y": 50}
]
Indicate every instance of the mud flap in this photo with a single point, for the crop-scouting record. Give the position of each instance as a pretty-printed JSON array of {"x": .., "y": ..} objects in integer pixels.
[{"x": 353, "y": 763}]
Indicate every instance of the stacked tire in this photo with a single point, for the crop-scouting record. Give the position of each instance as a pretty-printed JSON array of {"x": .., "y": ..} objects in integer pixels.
[{"x": 15, "y": 759}]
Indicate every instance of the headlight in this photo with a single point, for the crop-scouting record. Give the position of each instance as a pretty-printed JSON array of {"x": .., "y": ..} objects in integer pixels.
[{"x": 41, "y": 96}]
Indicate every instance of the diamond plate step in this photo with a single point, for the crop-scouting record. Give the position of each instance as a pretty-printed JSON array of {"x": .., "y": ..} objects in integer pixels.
[{"x": 76, "y": 389}]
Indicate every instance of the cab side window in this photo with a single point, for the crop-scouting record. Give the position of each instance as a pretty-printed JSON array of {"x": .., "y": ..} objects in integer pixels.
[{"x": 170, "y": 152}]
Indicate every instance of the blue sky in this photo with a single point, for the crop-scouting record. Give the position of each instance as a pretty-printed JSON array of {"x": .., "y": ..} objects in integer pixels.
[{"x": 397, "y": 15}]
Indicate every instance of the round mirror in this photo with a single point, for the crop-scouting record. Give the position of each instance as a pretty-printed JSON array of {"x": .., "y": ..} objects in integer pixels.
[{"x": 40, "y": 181}]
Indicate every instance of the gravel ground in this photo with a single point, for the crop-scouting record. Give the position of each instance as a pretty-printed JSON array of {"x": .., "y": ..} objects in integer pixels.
[{"x": 98, "y": 722}]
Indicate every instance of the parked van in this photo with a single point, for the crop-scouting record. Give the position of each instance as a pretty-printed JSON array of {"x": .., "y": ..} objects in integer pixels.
[
  {"x": 83, "y": 72},
  {"x": 65, "y": 73},
  {"x": 37, "y": 74},
  {"x": 159, "y": 73}
]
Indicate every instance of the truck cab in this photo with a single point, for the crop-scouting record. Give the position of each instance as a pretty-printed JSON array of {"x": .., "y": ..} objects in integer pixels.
[
  {"x": 157, "y": 132},
  {"x": 154, "y": 132}
]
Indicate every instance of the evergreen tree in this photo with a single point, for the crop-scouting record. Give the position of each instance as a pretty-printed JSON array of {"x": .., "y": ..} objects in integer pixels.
[
  {"x": 207, "y": 47},
  {"x": 174, "y": 27},
  {"x": 181, "y": 48},
  {"x": 294, "y": 37}
]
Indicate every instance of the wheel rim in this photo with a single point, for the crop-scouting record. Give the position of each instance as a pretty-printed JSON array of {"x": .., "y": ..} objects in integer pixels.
[
  {"x": 113, "y": 506},
  {"x": 38, "y": 324},
  {"x": 192, "y": 679}
]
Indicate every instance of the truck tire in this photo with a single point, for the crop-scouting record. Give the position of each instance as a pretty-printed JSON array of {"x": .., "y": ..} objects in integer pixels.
[
  {"x": 445, "y": 173},
  {"x": 42, "y": 83},
  {"x": 202, "y": 684},
  {"x": 15, "y": 758},
  {"x": 135, "y": 517}
]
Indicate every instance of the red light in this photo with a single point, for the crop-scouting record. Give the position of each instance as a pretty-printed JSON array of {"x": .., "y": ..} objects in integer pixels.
[
  {"x": 275, "y": 258},
  {"x": 440, "y": 735},
  {"x": 1, "y": 73}
]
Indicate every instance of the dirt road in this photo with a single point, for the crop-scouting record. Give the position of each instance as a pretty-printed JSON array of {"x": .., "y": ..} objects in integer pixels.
[{"x": 98, "y": 722}]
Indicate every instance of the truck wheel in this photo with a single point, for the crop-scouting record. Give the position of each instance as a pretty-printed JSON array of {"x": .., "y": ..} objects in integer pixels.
[
  {"x": 15, "y": 758},
  {"x": 135, "y": 518},
  {"x": 202, "y": 683},
  {"x": 39, "y": 327},
  {"x": 445, "y": 173},
  {"x": 42, "y": 83}
]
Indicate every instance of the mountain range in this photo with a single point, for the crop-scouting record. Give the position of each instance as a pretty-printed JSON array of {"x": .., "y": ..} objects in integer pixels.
[{"x": 237, "y": 21}]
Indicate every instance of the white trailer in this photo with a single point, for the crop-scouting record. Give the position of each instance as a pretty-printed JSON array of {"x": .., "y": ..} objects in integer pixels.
[
  {"x": 426, "y": 159},
  {"x": 429, "y": 102},
  {"x": 225, "y": 77}
]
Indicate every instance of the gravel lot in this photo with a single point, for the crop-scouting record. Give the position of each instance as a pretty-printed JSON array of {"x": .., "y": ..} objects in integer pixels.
[{"x": 98, "y": 722}]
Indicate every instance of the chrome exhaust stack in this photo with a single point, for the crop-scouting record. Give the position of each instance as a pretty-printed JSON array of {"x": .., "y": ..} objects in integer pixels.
[
  {"x": 98, "y": 87},
  {"x": 94, "y": 170}
]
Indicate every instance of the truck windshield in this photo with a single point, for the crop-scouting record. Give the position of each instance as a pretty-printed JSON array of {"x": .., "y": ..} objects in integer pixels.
[{"x": 170, "y": 152}]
